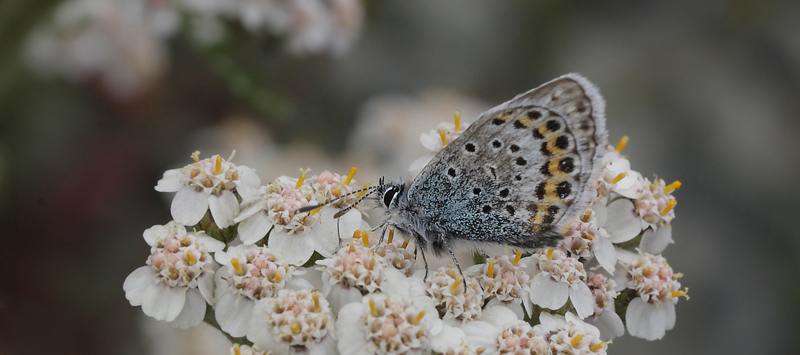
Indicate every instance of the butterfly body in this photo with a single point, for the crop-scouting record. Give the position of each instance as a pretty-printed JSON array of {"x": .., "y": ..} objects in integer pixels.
[{"x": 513, "y": 178}]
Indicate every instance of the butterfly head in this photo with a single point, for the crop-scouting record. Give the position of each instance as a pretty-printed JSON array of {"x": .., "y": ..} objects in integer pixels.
[{"x": 390, "y": 194}]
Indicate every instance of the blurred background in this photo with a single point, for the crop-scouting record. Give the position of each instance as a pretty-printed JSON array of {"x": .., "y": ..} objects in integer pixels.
[{"x": 99, "y": 97}]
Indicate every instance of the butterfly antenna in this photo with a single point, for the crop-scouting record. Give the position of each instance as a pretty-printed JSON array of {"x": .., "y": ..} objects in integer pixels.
[{"x": 311, "y": 208}]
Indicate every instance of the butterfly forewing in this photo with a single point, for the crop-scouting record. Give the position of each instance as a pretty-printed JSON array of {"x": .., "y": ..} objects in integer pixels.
[{"x": 520, "y": 171}]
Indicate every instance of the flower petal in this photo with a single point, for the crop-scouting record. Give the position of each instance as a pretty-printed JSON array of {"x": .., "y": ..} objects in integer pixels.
[
  {"x": 669, "y": 314},
  {"x": 655, "y": 241},
  {"x": 582, "y": 299},
  {"x": 482, "y": 334},
  {"x": 233, "y": 313},
  {"x": 254, "y": 228},
  {"x": 645, "y": 320},
  {"x": 193, "y": 312},
  {"x": 259, "y": 331},
  {"x": 448, "y": 338},
  {"x": 171, "y": 182},
  {"x": 295, "y": 248},
  {"x": 340, "y": 297},
  {"x": 350, "y": 332},
  {"x": 498, "y": 315},
  {"x": 622, "y": 224},
  {"x": 189, "y": 206},
  {"x": 211, "y": 244},
  {"x": 224, "y": 208},
  {"x": 163, "y": 302},
  {"x": 609, "y": 323},
  {"x": 205, "y": 283},
  {"x": 249, "y": 182},
  {"x": 326, "y": 234},
  {"x": 605, "y": 253},
  {"x": 548, "y": 293},
  {"x": 137, "y": 283}
]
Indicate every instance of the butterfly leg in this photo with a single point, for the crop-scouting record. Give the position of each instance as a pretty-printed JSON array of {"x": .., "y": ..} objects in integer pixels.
[{"x": 453, "y": 255}]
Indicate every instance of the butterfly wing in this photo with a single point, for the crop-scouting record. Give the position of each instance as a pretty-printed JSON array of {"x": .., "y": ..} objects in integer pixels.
[{"x": 521, "y": 171}]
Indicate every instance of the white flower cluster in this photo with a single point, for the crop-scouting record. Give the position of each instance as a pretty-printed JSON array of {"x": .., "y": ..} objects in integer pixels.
[
  {"x": 123, "y": 43},
  {"x": 277, "y": 280}
]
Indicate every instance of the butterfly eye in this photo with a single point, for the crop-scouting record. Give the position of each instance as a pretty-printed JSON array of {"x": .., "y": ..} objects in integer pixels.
[{"x": 388, "y": 196}]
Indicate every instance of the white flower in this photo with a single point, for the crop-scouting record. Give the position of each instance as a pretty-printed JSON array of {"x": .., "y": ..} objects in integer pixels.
[
  {"x": 178, "y": 279},
  {"x": 396, "y": 254},
  {"x": 617, "y": 176},
  {"x": 211, "y": 183},
  {"x": 559, "y": 278},
  {"x": 605, "y": 317},
  {"x": 570, "y": 335},
  {"x": 297, "y": 235},
  {"x": 294, "y": 322},
  {"x": 504, "y": 282},
  {"x": 436, "y": 140},
  {"x": 584, "y": 239},
  {"x": 249, "y": 273},
  {"x": 657, "y": 290},
  {"x": 354, "y": 271},
  {"x": 499, "y": 331},
  {"x": 386, "y": 324},
  {"x": 618, "y": 219},
  {"x": 456, "y": 297},
  {"x": 655, "y": 207}
]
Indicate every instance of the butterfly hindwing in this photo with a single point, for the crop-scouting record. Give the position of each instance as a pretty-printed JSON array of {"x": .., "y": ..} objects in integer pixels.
[{"x": 520, "y": 171}]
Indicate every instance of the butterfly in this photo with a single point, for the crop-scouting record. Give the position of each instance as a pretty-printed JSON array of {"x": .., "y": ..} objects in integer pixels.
[{"x": 520, "y": 172}]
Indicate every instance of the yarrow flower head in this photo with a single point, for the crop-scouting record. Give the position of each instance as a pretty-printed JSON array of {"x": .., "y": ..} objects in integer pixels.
[
  {"x": 560, "y": 277},
  {"x": 617, "y": 175},
  {"x": 294, "y": 322},
  {"x": 656, "y": 290},
  {"x": 604, "y": 317},
  {"x": 355, "y": 270},
  {"x": 571, "y": 335},
  {"x": 249, "y": 273},
  {"x": 208, "y": 184},
  {"x": 456, "y": 297},
  {"x": 383, "y": 324},
  {"x": 297, "y": 235},
  {"x": 178, "y": 279},
  {"x": 585, "y": 239},
  {"x": 504, "y": 280},
  {"x": 397, "y": 254},
  {"x": 500, "y": 331}
]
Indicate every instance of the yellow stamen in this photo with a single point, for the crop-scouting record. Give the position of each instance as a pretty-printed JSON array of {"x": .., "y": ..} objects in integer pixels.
[
  {"x": 586, "y": 216},
  {"x": 442, "y": 133},
  {"x": 671, "y": 187},
  {"x": 196, "y": 156},
  {"x": 190, "y": 257},
  {"x": 218, "y": 167},
  {"x": 391, "y": 234},
  {"x": 670, "y": 205},
  {"x": 516, "y": 258},
  {"x": 680, "y": 293},
  {"x": 418, "y": 318},
  {"x": 236, "y": 349},
  {"x": 622, "y": 143},
  {"x": 619, "y": 177},
  {"x": 588, "y": 235},
  {"x": 352, "y": 249},
  {"x": 295, "y": 328},
  {"x": 236, "y": 267},
  {"x": 550, "y": 253},
  {"x": 277, "y": 278},
  {"x": 576, "y": 340},
  {"x": 302, "y": 178},
  {"x": 458, "y": 282},
  {"x": 364, "y": 238},
  {"x": 315, "y": 296},
  {"x": 457, "y": 118},
  {"x": 350, "y": 175},
  {"x": 599, "y": 345},
  {"x": 364, "y": 191},
  {"x": 405, "y": 243},
  {"x": 490, "y": 271},
  {"x": 372, "y": 309},
  {"x": 480, "y": 350}
]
